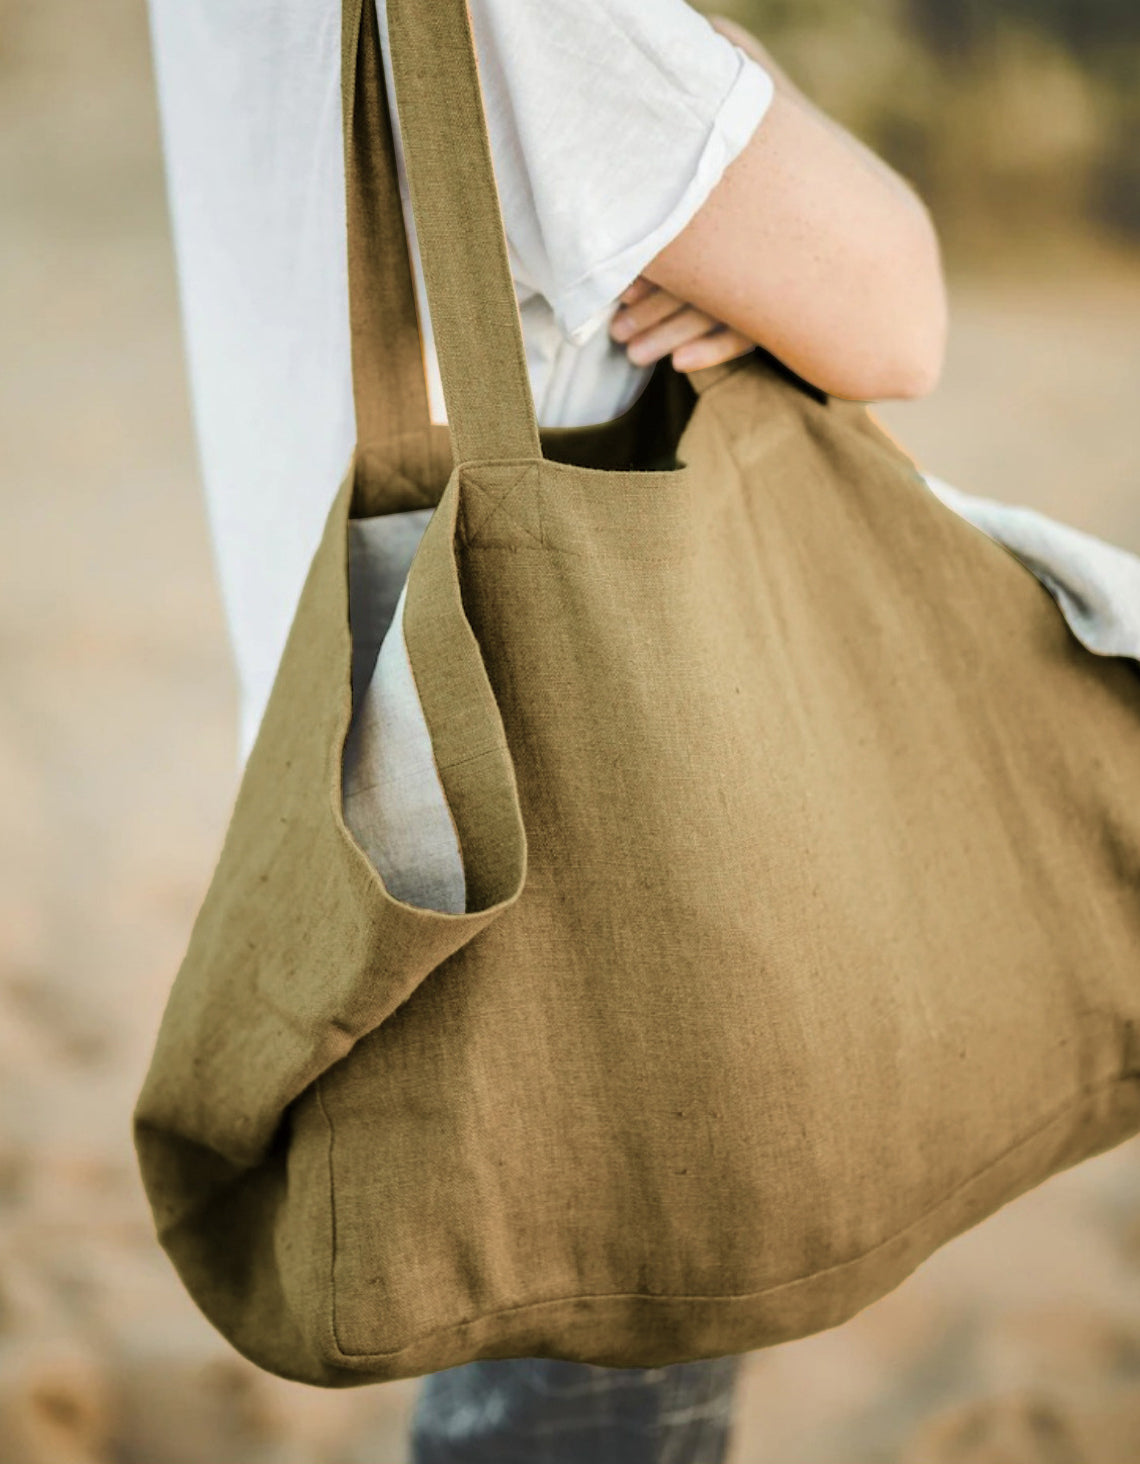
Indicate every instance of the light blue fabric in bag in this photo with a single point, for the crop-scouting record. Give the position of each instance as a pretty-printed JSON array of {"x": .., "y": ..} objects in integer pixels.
[{"x": 1096, "y": 584}]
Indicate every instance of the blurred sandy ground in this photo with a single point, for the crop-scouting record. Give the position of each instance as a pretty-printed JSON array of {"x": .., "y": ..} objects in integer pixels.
[{"x": 1019, "y": 1342}]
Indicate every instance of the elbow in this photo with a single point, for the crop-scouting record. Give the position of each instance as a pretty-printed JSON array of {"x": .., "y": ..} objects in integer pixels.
[
  {"x": 919, "y": 312},
  {"x": 903, "y": 350},
  {"x": 914, "y": 375},
  {"x": 921, "y": 382},
  {"x": 906, "y": 379},
  {"x": 921, "y": 354},
  {"x": 905, "y": 371}
]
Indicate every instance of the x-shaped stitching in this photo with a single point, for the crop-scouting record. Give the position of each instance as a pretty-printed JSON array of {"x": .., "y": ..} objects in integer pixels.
[{"x": 496, "y": 499}]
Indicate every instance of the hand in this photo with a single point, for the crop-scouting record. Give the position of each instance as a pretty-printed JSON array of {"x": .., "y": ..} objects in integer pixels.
[{"x": 651, "y": 323}]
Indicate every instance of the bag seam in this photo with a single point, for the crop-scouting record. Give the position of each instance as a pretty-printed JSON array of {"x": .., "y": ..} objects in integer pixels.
[
  {"x": 332, "y": 1227},
  {"x": 498, "y": 506},
  {"x": 1118, "y": 1079}
]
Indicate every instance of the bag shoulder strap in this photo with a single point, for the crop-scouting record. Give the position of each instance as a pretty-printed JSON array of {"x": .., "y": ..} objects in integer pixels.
[
  {"x": 402, "y": 457},
  {"x": 462, "y": 241}
]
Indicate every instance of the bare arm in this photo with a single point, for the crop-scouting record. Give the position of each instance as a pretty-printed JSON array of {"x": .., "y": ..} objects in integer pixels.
[{"x": 813, "y": 247}]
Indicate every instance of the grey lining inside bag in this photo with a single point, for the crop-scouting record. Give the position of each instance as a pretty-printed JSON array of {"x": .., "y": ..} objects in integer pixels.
[
  {"x": 1096, "y": 584},
  {"x": 393, "y": 800}
]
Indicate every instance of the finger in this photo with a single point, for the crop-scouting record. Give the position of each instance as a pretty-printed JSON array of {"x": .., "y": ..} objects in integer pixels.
[
  {"x": 712, "y": 349},
  {"x": 640, "y": 288},
  {"x": 686, "y": 324},
  {"x": 650, "y": 311}
]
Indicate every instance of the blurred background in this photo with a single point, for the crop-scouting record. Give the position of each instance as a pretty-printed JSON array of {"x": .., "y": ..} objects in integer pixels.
[{"x": 1019, "y": 1343}]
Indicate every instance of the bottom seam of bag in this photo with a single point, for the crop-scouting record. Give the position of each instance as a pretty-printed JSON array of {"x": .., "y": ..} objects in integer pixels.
[{"x": 1118, "y": 1079}]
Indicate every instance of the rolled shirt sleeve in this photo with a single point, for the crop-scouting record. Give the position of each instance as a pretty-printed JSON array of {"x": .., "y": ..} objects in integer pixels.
[{"x": 611, "y": 122}]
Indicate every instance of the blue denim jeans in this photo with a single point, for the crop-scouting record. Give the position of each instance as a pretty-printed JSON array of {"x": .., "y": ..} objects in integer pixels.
[{"x": 544, "y": 1411}]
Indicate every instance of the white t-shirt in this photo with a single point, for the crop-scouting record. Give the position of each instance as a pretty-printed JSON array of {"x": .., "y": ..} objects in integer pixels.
[{"x": 610, "y": 123}]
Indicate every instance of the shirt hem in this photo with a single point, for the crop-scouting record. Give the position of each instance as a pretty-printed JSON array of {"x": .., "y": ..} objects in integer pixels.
[{"x": 585, "y": 305}]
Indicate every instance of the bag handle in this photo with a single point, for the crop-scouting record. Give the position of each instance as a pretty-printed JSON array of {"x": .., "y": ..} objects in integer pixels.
[
  {"x": 462, "y": 241},
  {"x": 401, "y": 455}
]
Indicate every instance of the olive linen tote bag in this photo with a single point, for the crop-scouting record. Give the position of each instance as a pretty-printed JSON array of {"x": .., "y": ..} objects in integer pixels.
[{"x": 800, "y": 841}]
